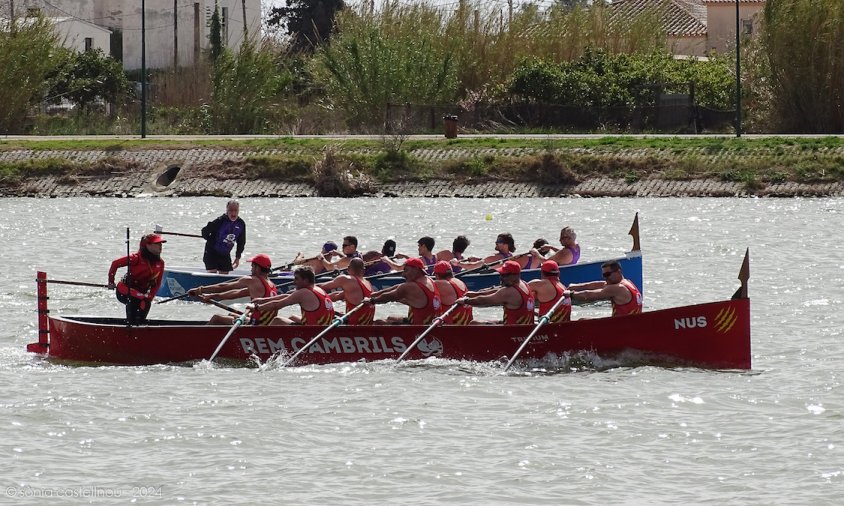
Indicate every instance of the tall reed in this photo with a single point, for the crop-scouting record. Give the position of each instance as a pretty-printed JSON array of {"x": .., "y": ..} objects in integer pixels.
[
  {"x": 804, "y": 40},
  {"x": 426, "y": 54},
  {"x": 26, "y": 56}
]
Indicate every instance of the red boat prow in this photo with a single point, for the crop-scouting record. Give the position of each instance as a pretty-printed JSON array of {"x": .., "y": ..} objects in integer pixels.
[{"x": 713, "y": 335}]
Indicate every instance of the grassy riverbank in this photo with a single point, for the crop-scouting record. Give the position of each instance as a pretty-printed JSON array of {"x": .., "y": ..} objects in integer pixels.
[{"x": 352, "y": 165}]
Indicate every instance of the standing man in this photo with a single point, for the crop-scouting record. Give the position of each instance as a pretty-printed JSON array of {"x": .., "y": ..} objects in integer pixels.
[
  {"x": 419, "y": 293},
  {"x": 548, "y": 290},
  {"x": 570, "y": 252},
  {"x": 514, "y": 296},
  {"x": 622, "y": 293},
  {"x": 220, "y": 236},
  {"x": 255, "y": 286},
  {"x": 353, "y": 289},
  {"x": 142, "y": 280},
  {"x": 316, "y": 305},
  {"x": 451, "y": 289}
]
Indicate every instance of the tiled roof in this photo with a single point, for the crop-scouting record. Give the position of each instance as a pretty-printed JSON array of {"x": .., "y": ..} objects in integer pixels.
[
  {"x": 680, "y": 18},
  {"x": 733, "y": 1}
]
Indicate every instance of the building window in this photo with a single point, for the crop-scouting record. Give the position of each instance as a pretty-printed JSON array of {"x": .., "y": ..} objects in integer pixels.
[
  {"x": 747, "y": 26},
  {"x": 89, "y": 43}
]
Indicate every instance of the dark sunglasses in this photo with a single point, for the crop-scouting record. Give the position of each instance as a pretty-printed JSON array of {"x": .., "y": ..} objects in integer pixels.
[
  {"x": 345, "y": 245},
  {"x": 499, "y": 241},
  {"x": 608, "y": 274}
]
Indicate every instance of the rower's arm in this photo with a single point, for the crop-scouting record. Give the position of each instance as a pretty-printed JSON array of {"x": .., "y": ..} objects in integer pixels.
[
  {"x": 606, "y": 292},
  {"x": 393, "y": 265},
  {"x": 592, "y": 285},
  {"x": 239, "y": 283},
  {"x": 493, "y": 299},
  {"x": 236, "y": 293},
  {"x": 392, "y": 294},
  {"x": 334, "y": 284}
]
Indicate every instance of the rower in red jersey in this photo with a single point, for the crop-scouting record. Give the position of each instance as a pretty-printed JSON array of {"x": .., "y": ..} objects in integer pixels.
[
  {"x": 353, "y": 288},
  {"x": 317, "y": 307},
  {"x": 255, "y": 286},
  {"x": 514, "y": 296},
  {"x": 419, "y": 293},
  {"x": 548, "y": 290},
  {"x": 142, "y": 280},
  {"x": 622, "y": 293},
  {"x": 451, "y": 289}
]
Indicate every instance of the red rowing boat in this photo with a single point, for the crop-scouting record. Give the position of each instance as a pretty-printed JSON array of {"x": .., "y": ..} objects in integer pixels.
[{"x": 712, "y": 335}]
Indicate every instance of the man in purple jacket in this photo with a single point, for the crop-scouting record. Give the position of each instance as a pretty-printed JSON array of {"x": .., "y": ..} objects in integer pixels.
[{"x": 221, "y": 235}]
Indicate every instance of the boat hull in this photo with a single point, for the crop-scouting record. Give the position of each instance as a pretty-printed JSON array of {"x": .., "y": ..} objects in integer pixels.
[
  {"x": 179, "y": 280},
  {"x": 714, "y": 335}
]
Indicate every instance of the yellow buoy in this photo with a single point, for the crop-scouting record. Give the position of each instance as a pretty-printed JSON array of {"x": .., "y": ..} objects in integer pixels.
[{"x": 488, "y": 217}]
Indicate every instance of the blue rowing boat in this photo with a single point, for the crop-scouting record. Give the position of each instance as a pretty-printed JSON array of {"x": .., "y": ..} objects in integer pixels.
[{"x": 178, "y": 280}]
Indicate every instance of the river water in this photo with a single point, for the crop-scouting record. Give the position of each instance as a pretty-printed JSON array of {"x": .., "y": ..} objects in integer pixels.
[{"x": 437, "y": 431}]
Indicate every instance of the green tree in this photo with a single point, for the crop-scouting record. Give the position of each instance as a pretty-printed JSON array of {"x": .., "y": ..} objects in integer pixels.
[
  {"x": 216, "y": 35},
  {"x": 26, "y": 57},
  {"x": 309, "y": 23},
  {"x": 84, "y": 78}
]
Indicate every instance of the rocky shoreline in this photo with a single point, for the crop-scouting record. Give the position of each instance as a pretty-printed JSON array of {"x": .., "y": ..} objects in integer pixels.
[{"x": 208, "y": 172}]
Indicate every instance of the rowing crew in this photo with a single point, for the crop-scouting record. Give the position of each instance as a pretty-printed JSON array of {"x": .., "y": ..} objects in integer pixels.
[
  {"x": 426, "y": 298},
  {"x": 330, "y": 259}
]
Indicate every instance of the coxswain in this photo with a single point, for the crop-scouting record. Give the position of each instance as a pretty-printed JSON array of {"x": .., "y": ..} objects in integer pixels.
[
  {"x": 570, "y": 252},
  {"x": 548, "y": 289},
  {"x": 458, "y": 247},
  {"x": 352, "y": 288},
  {"x": 514, "y": 296},
  {"x": 418, "y": 292},
  {"x": 221, "y": 235},
  {"x": 142, "y": 279},
  {"x": 255, "y": 286},
  {"x": 315, "y": 304},
  {"x": 622, "y": 293},
  {"x": 451, "y": 289}
]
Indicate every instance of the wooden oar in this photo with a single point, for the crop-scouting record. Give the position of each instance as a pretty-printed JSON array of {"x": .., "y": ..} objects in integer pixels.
[
  {"x": 240, "y": 320},
  {"x": 317, "y": 276},
  {"x": 75, "y": 283},
  {"x": 437, "y": 321},
  {"x": 310, "y": 343},
  {"x": 177, "y": 297},
  {"x": 221, "y": 305},
  {"x": 160, "y": 230},
  {"x": 542, "y": 321},
  {"x": 491, "y": 264}
]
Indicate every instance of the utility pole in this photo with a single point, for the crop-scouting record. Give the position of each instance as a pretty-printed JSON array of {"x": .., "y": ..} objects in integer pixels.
[
  {"x": 738, "y": 71},
  {"x": 245, "y": 29},
  {"x": 143, "y": 70},
  {"x": 175, "y": 34}
]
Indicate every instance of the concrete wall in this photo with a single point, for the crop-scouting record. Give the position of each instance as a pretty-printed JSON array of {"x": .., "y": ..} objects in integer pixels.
[
  {"x": 688, "y": 46},
  {"x": 177, "y": 31},
  {"x": 721, "y": 23},
  {"x": 183, "y": 30}
]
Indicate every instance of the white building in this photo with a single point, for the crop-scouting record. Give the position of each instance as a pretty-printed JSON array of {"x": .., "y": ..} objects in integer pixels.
[
  {"x": 82, "y": 35},
  {"x": 177, "y": 31}
]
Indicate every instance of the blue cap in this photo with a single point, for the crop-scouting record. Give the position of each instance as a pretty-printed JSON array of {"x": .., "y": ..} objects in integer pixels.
[{"x": 329, "y": 246}]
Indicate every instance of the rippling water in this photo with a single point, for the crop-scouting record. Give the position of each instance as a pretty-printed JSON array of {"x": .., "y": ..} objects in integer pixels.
[{"x": 438, "y": 431}]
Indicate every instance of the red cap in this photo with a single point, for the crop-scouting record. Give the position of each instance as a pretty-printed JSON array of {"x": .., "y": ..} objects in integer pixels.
[
  {"x": 442, "y": 267},
  {"x": 550, "y": 267},
  {"x": 510, "y": 267},
  {"x": 415, "y": 262},
  {"x": 261, "y": 260},
  {"x": 154, "y": 239}
]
